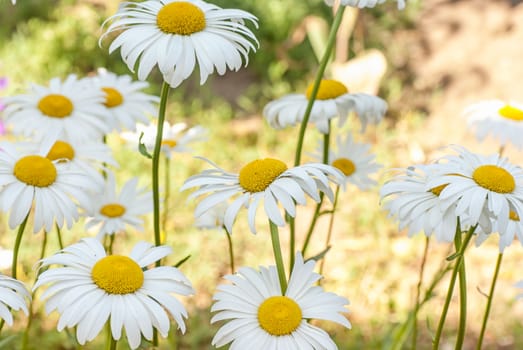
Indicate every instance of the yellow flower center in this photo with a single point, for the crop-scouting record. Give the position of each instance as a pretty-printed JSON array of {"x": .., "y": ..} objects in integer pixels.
[
  {"x": 182, "y": 18},
  {"x": 61, "y": 150},
  {"x": 437, "y": 190},
  {"x": 494, "y": 178},
  {"x": 513, "y": 216},
  {"x": 279, "y": 315},
  {"x": 328, "y": 89},
  {"x": 346, "y": 166},
  {"x": 55, "y": 106},
  {"x": 117, "y": 274},
  {"x": 112, "y": 210},
  {"x": 35, "y": 171},
  {"x": 510, "y": 112},
  {"x": 169, "y": 143},
  {"x": 113, "y": 97},
  {"x": 259, "y": 174}
]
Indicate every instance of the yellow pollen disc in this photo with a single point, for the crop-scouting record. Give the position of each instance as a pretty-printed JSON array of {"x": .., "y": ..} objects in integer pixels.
[
  {"x": 279, "y": 315},
  {"x": 259, "y": 174},
  {"x": 494, "y": 178},
  {"x": 112, "y": 210},
  {"x": 437, "y": 190},
  {"x": 513, "y": 216},
  {"x": 182, "y": 18},
  {"x": 510, "y": 112},
  {"x": 61, "y": 150},
  {"x": 55, "y": 106},
  {"x": 328, "y": 89},
  {"x": 169, "y": 143},
  {"x": 113, "y": 97},
  {"x": 346, "y": 166},
  {"x": 117, "y": 274},
  {"x": 35, "y": 171}
]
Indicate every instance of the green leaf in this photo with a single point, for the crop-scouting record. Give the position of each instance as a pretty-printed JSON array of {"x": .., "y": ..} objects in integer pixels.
[
  {"x": 181, "y": 262},
  {"x": 142, "y": 149},
  {"x": 320, "y": 255}
]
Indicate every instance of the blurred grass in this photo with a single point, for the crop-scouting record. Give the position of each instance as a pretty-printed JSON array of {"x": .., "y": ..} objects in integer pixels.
[{"x": 371, "y": 263}]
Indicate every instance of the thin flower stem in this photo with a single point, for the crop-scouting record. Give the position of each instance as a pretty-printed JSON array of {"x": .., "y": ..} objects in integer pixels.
[
  {"x": 331, "y": 225},
  {"x": 111, "y": 242},
  {"x": 462, "y": 297},
  {"x": 18, "y": 241},
  {"x": 489, "y": 301},
  {"x": 457, "y": 264},
  {"x": 231, "y": 252},
  {"x": 111, "y": 343},
  {"x": 418, "y": 293},
  {"x": 156, "y": 164},
  {"x": 292, "y": 240},
  {"x": 59, "y": 235},
  {"x": 275, "y": 238},
  {"x": 167, "y": 192}
]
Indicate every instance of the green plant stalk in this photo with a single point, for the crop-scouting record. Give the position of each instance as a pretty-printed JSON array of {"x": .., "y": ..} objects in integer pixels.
[
  {"x": 418, "y": 293},
  {"x": 489, "y": 301},
  {"x": 292, "y": 240},
  {"x": 275, "y": 238},
  {"x": 111, "y": 242},
  {"x": 110, "y": 343},
  {"x": 18, "y": 241},
  {"x": 231, "y": 252},
  {"x": 167, "y": 194},
  {"x": 459, "y": 260},
  {"x": 331, "y": 225},
  {"x": 156, "y": 165},
  {"x": 59, "y": 236},
  {"x": 462, "y": 296}
]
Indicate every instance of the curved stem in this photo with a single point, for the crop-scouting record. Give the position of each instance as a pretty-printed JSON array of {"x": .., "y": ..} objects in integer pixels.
[
  {"x": 167, "y": 194},
  {"x": 331, "y": 225},
  {"x": 275, "y": 238},
  {"x": 418, "y": 293},
  {"x": 316, "y": 85},
  {"x": 231, "y": 252},
  {"x": 489, "y": 301},
  {"x": 156, "y": 164},
  {"x": 457, "y": 264},
  {"x": 18, "y": 240}
]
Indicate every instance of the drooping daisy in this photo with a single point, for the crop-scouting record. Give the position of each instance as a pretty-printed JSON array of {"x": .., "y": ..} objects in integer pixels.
[
  {"x": 13, "y": 296},
  {"x": 364, "y": 3},
  {"x": 261, "y": 318},
  {"x": 503, "y": 121},
  {"x": 52, "y": 187},
  {"x": 93, "y": 288},
  {"x": 263, "y": 179},
  {"x": 178, "y": 35},
  {"x": 480, "y": 186},
  {"x": 114, "y": 211},
  {"x": 125, "y": 99},
  {"x": 68, "y": 106},
  {"x": 212, "y": 219},
  {"x": 333, "y": 100},
  {"x": 353, "y": 160},
  {"x": 176, "y": 138},
  {"x": 514, "y": 229}
]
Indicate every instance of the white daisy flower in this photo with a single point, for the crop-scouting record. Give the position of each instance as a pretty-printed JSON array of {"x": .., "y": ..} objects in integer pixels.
[
  {"x": 52, "y": 187},
  {"x": 333, "y": 100},
  {"x": 353, "y": 160},
  {"x": 480, "y": 186},
  {"x": 503, "y": 121},
  {"x": 176, "y": 138},
  {"x": 68, "y": 106},
  {"x": 263, "y": 179},
  {"x": 514, "y": 229},
  {"x": 13, "y": 296},
  {"x": 113, "y": 211},
  {"x": 125, "y": 100},
  {"x": 178, "y": 35},
  {"x": 364, "y": 3},
  {"x": 93, "y": 288},
  {"x": 212, "y": 219},
  {"x": 261, "y": 318}
]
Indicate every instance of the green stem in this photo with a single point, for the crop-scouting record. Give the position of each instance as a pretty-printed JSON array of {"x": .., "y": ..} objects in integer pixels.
[
  {"x": 111, "y": 343},
  {"x": 156, "y": 164},
  {"x": 18, "y": 241},
  {"x": 59, "y": 235},
  {"x": 489, "y": 301},
  {"x": 231, "y": 252},
  {"x": 275, "y": 238},
  {"x": 331, "y": 225},
  {"x": 418, "y": 293},
  {"x": 316, "y": 85},
  {"x": 462, "y": 297},
  {"x": 292, "y": 240},
  {"x": 457, "y": 264},
  {"x": 167, "y": 182},
  {"x": 111, "y": 242}
]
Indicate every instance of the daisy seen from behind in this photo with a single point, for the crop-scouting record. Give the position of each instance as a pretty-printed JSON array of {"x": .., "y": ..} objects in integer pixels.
[
  {"x": 93, "y": 288},
  {"x": 111, "y": 212},
  {"x": 268, "y": 180},
  {"x": 13, "y": 296},
  {"x": 53, "y": 188},
  {"x": 178, "y": 35},
  {"x": 124, "y": 99},
  {"x": 261, "y": 317},
  {"x": 353, "y": 160},
  {"x": 503, "y": 121},
  {"x": 364, "y": 3},
  {"x": 333, "y": 100},
  {"x": 506, "y": 238},
  {"x": 68, "y": 106}
]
